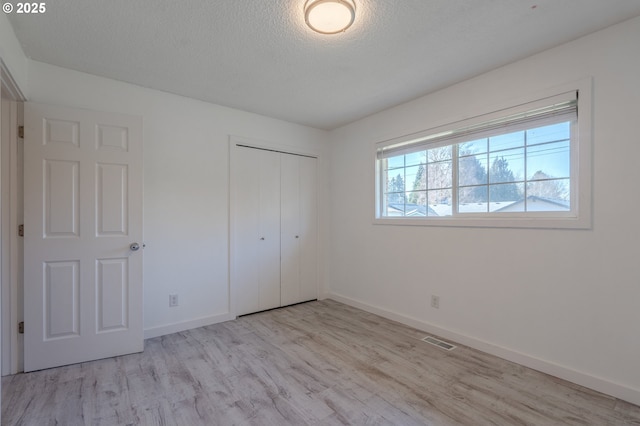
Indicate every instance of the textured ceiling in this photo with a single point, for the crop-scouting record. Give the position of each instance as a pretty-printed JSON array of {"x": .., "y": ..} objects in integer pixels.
[{"x": 258, "y": 56}]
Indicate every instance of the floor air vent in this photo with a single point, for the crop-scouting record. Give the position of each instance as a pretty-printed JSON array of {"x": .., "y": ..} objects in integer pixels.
[{"x": 439, "y": 343}]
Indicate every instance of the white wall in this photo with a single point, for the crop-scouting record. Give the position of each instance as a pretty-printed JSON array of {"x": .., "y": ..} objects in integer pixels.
[
  {"x": 186, "y": 169},
  {"x": 564, "y": 301},
  {"x": 12, "y": 55}
]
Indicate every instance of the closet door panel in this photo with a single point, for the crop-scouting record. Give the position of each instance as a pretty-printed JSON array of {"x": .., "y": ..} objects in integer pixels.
[
  {"x": 308, "y": 229},
  {"x": 247, "y": 230},
  {"x": 290, "y": 232},
  {"x": 269, "y": 236}
]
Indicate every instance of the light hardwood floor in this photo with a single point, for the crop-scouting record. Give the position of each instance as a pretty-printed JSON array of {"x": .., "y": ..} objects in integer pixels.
[{"x": 320, "y": 363}]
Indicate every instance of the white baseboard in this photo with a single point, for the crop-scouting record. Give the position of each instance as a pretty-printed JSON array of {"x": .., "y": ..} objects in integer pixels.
[
  {"x": 162, "y": 330},
  {"x": 583, "y": 379}
]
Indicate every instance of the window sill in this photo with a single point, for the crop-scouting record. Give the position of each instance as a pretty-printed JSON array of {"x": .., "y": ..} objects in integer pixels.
[{"x": 540, "y": 222}]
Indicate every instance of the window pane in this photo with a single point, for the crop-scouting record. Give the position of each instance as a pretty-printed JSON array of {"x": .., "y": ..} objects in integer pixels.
[
  {"x": 506, "y": 166},
  {"x": 395, "y": 180},
  {"x": 440, "y": 175},
  {"x": 506, "y": 194},
  {"x": 412, "y": 177},
  {"x": 440, "y": 203},
  {"x": 395, "y": 205},
  {"x": 418, "y": 198},
  {"x": 551, "y": 160},
  {"x": 415, "y": 158},
  {"x": 439, "y": 154},
  {"x": 473, "y": 200},
  {"x": 472, "y": 170},
  {"x": 472, "y": 147},
  {"x": 416, "y": 178},
  {"x": 395, "y": 198},
  {"x": 508, "y": 206},
  {"x": 556, "y": 190},
  {"x": 416, "y": 205},
  {"x": 510, "y": 140},
  {"x": 394, "y": 162},
  {"x": 553, "y": 133}
]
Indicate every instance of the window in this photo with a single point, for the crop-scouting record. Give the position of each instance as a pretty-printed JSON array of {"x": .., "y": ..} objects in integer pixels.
[{"x": 517, "y": 167}]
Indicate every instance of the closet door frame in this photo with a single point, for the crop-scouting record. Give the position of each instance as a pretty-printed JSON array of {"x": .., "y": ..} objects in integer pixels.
[{"x": 240, "y": 142}]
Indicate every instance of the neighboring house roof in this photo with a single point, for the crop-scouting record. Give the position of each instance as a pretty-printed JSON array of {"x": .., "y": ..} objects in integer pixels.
[
  {"x": 410, "y": 210},
  {"x": 441, "y": 209},
  {"x": 534, "y": 203},
  {"x": 482, "y": 207}
]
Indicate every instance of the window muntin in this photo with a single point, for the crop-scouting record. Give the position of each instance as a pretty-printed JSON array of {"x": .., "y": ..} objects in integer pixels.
[{"x": 519, "y": 168}]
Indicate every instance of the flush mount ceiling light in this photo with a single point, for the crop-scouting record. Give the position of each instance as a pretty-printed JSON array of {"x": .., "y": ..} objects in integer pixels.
[{"x": 329, "y": 16}]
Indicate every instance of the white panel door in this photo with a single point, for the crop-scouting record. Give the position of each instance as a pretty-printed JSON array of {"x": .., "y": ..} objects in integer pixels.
[
  {"x": 83, "y": 211},
  {"x": 299, "y": 229},
  {"x": 256, "y": 230}
]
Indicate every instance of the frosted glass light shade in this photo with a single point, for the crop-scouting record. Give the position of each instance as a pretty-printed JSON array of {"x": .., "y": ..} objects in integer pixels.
[{"x": 329, "y": 16}]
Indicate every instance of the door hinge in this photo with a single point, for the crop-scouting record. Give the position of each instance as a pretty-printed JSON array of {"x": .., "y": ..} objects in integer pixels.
[
  {"x": 21, "y": 327},
  {"x": 21, "y": 132},
  {"x": 21, "y": 230}
]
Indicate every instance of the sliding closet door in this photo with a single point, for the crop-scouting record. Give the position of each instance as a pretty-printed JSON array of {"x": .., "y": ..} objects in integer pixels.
[
  {"x": 256, "y": 230},
  {"x": 298, "y": 229}
]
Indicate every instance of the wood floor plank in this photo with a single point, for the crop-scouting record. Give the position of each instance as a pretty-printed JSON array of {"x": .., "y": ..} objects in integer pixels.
[{"x": 319, "y": 363}]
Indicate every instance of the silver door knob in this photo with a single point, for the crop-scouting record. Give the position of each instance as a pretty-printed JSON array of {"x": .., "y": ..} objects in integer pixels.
[
  {"x": 297, "y": 236},
  {"x": 134, "y": 246},
  {"x": 262, "y": 239}
]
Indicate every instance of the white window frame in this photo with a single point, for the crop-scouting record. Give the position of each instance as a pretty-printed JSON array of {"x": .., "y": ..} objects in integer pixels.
[{"x": 579, "y": 217}]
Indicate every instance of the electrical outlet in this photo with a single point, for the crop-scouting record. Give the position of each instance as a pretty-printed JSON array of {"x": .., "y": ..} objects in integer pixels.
[
  {"x": 173, "y": 300},
  {"x": 435, "y": 301}
]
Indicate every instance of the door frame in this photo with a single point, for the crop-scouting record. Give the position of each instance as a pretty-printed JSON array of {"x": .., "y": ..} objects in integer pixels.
[
  {"x": 234, "y": 143},
  {"x": 10, "y": 285}
]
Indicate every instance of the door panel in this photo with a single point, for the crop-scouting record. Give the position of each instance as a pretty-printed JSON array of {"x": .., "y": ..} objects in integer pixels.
[
  {"x": 246, "y": 230},
  {"x": 61, "y": 193},
  {"x": 83, "y": 208},
  {"x": 112, "y": 294},
  {"x": 112, "y": 138},
  {"x": 111, "y": 199},
  {"x": 269, "y": 237},
  {"x": 308, "y": 249},
  {"x": 290, "y": 244},
  {"x": 256, "y": 230},
  {"x": 62, "y": 303},
  {"x": 61, "y": 133},
  {"x": 299, "y": 229}
]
